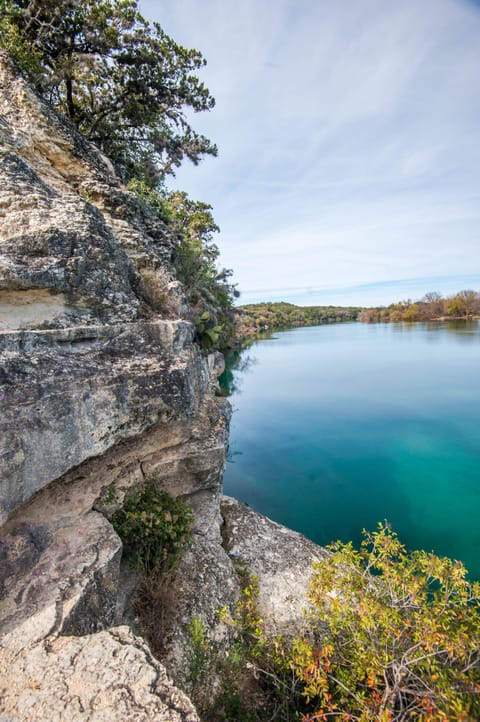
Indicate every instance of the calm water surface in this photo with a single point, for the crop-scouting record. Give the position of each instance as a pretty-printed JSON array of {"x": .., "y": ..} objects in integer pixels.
[{"x": 338, "y": 427}]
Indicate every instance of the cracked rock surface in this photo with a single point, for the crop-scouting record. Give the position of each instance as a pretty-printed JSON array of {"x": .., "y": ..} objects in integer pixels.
[
  {"x": 87, "y": 358},
  {"x": 280, "y": 558},
  {"x": 101, "y": 384},
  {"x": 105, "y": 677}
]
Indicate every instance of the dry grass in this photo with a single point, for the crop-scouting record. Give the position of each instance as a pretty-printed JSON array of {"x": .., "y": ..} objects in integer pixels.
[
  {"x": 155, "y": 288},
  {"x": 153, "y": 602}
]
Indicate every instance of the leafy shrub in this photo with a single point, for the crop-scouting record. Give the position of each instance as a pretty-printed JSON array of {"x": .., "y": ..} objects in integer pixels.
[
  {"x": 392, "y": 636},
  {"x": 208, "y": 334},
  {"x": 207, "y": 287},
  {"x": 154, "y": 528},
  {"x": 402, "y": 637}
]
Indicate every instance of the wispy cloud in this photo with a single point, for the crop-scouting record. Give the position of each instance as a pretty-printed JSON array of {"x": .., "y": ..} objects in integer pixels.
[
  {"x": 348, "y": 136},
  {"x": 368, "y": 294}
]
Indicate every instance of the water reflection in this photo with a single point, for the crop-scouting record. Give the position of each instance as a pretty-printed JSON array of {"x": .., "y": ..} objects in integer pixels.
[
  {"x": 464, "y": 331},
  {"x": 237, "y": 364}
]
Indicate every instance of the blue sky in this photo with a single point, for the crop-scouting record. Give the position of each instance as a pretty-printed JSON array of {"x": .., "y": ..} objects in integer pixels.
[{"x": 349, "y": 143}]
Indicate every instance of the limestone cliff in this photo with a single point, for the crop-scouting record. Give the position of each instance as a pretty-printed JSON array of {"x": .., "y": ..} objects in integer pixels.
[
  {"x": 86, "y": 362},
  {"x": 98, "y": 386},
  {"x": 101, "y": 383}
]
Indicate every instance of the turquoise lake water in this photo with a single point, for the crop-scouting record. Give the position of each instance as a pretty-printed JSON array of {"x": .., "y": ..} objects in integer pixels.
[{"x": 338, "y": 427}]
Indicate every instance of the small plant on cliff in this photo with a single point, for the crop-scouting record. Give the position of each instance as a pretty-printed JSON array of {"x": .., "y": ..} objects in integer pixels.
[
  {"x": 154, "y": 528},
  {"x": 206, "y": 662},
  {"x": 263, "y": 686},
  {"x": 208, "y": 288},
  {"x": 202, "y": 657},
  {"x": 208, "y": 335}
]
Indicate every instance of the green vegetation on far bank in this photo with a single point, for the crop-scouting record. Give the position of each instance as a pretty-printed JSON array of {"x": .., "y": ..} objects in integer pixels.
[{"x": 256, "y": 318}]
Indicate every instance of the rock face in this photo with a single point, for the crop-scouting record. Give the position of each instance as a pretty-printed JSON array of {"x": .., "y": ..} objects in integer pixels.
[
  {"x": 105, "y": 677},
  {"x": 86, "y": 362},
  {"x": 280, "y": 558},
  {"x": 101, "y": 384}
]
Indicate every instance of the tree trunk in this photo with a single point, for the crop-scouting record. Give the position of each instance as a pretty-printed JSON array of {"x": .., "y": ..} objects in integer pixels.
[{"x": 70, "y": 103}]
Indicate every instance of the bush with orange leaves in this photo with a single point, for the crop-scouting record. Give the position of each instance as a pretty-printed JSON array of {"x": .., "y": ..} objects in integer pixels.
[
  {"x": 401, "y": 640},
  {"x": 394, "y": 636}
]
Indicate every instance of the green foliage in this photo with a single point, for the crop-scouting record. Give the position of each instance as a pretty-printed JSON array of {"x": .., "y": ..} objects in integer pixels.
[
  {"x": 108, "y": 495},
  {"x": 208, "y": 335},
  {"x": 256, "y": 318},
  {"x": 154, "y": 528},
  {"x": 208, "y": 289},
  {"x": 392, "y": 636},
  {"x": 201, "y": 661},
  {"x": 246, "y": 618},
  {"x": 121, "y": 80},
  {"x": 402, "y": 639},
  {"x": 26, "y": 55}
]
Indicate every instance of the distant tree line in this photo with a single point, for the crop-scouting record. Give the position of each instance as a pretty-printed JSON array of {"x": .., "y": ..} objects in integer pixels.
[
  {"x": 256, "y": 318},
  {"x": 432, "y": 307}
]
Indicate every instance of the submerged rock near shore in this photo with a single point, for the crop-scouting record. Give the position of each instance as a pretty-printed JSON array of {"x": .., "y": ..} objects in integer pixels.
[{"x": 100, "y": 387}]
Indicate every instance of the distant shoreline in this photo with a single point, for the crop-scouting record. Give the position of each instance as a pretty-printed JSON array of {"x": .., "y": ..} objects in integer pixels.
[{"x": 255, "y": 319}]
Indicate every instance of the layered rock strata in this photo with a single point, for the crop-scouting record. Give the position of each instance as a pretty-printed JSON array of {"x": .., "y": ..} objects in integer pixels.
[{"x": 86, "y": 360}]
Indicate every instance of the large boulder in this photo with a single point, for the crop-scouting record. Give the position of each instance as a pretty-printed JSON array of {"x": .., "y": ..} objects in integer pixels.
[{"x": 280, "y": 558}]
